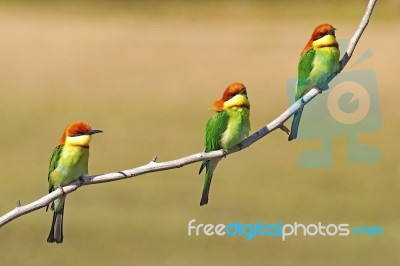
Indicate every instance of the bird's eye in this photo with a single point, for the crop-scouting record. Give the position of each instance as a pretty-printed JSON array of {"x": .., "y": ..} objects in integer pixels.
[
  {"x": 319, "y": 36},
  {"x": 77, "y": 134}
]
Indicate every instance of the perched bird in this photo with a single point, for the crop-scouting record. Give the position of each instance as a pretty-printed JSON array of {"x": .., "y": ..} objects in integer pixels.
[
  {"x": 318, "y": 60},
  {"x": 229, "y": 126},
  {"x": 68, "y": 163}
]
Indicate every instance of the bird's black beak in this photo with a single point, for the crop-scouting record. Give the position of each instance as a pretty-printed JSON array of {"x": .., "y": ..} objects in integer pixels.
[
  {"x": 243, "y": 91},
  {"x": 332, "y": 32},
  {"x": 94, "y": 131}
]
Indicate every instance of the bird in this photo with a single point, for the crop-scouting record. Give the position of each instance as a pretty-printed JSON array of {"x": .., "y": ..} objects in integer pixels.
[
  {"x": 69, "y": 162},
  {"x": 318, "y": 60},
  {"x": 226, "y": 128}
]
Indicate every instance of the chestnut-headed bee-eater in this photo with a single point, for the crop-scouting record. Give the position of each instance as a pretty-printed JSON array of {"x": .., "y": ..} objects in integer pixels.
[
  {"x": 226, "y": 128},
  {"x": 68, "y": 163},
  {"x": 318, "y": 60}
]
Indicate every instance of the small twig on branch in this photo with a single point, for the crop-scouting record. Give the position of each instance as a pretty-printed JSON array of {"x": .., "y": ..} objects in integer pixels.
[{"x": 153, "y": 166}]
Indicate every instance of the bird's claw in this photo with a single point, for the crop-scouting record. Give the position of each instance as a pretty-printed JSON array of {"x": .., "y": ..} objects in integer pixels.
[
  {"x": 322, "y": 88},
  {"x": 63, "y": 192},
  {"x": 225, "y": 153},
  {"x": 81, "y": 181}
]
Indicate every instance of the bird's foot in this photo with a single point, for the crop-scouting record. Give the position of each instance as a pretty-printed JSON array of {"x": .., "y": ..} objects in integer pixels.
[
  {"x": 225, "y": 152},
  {"x": 81, "y": 181},
  {"x": 322, "y": 88},
  {"x": 63, "y": 192}
]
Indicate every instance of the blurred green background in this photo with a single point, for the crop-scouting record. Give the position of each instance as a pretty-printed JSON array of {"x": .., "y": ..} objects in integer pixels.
[{"x": 146, "y": 73}]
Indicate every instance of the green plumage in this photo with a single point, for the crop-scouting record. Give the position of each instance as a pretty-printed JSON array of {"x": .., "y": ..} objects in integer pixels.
[
  {"x": 315, "y": 66},
  {"x": 303, "y": 72},
  {"x": 67, "y": 164},
  {"x": 224, "y": 129},
  {"x": 215, "y": 127},
  {"x": 55, "y": 157}
]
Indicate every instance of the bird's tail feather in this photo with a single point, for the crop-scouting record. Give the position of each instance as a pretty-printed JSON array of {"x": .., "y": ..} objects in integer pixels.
[
  {"x": 295, "y": 124},
  {"x": 210, "y": 167},
  {"x": 206, "y": 190},
  {"x": 56, "y": 231}
]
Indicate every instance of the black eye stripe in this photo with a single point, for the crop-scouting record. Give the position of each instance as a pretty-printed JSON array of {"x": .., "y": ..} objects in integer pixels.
[
  {"x": 77, "y": 134},
  {"x": 320, "y": 36},
  {"x": 241, "y": 91}
]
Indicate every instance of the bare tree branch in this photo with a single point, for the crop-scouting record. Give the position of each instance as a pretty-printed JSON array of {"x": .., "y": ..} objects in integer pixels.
[
  {"x": 153, "y": 166},
  {"x": 353, "y": 42}
]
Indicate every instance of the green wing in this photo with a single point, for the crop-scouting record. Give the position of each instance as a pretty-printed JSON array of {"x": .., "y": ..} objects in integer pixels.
[
  {"x": 215, "y": 127},
  {"x": 55, "y": 157},
  {"x": 304, "y": 70}
]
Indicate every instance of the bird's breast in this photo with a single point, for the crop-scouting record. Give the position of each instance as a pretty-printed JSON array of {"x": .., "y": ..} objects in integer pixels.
[
  {"x": 238, "y": 127},
  {"x": 73, "y": 164},
  {"x": 325, "y": 63}
]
